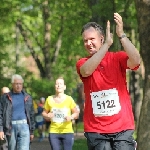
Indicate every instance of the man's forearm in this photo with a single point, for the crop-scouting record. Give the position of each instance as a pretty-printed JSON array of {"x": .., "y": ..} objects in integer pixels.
[
  {"x": 91, "y": 64},
  {"x": 132, "y": 52}
]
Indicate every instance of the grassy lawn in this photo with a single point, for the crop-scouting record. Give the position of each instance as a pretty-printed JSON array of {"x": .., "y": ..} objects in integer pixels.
[
  {"x": 79, "y": 127},
  {"x": 80, "y": 144}
]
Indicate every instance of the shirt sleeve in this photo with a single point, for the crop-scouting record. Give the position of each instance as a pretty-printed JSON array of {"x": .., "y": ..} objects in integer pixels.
[
  {"x": 73, "y": 104},
  {"x": 47, "y": 104},
  {"x": 79, "y": 64}
]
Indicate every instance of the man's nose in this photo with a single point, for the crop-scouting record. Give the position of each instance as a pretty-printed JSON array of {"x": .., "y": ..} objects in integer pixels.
[{"x": 89, "y": 42}]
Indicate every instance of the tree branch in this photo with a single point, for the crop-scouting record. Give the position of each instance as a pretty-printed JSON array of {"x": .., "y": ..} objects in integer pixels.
[
  {"x": 58, "y": 43},
  {"x": 29, "y": 45}
]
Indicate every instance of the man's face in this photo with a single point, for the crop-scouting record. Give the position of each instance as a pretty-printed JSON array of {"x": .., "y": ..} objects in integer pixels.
[
  {"x": 5, "y": 90},
  {"x": 92, "y": 40},
  {"x": 17, "y": 86}
]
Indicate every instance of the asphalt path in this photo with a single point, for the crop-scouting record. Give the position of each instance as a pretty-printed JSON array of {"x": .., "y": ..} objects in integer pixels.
[{"x": 43, "y": 145}]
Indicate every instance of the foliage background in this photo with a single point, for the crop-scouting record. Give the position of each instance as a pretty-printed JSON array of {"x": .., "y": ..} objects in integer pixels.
[
  {"x": 40, "y": 39},
  {"x": 68, "y": 15}
]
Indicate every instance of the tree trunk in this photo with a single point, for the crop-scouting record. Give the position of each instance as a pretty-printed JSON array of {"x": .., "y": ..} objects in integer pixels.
[
  {"x": 143, "y": 15},
  {"x": 47, "y": 29},
  {"x": 134, "y": 88},
  {"x": 81, "y": 99},
  {"x": 48, "y": 59}
]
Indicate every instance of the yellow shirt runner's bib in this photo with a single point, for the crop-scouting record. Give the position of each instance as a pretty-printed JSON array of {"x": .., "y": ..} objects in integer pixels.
[{"x": 59, "y": 114}]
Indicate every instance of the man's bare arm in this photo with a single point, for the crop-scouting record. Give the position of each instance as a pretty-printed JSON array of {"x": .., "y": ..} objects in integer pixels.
[{"x": 91, "y": 64}]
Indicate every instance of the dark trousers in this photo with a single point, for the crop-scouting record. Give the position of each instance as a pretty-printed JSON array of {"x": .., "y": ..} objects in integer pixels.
[
  {"x": 64, "y": 140},
  {"x": 116, "y": 141}
]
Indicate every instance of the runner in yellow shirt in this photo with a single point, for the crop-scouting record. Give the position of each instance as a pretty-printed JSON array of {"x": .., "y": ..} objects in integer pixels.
[{"x": 60, "y": 109}]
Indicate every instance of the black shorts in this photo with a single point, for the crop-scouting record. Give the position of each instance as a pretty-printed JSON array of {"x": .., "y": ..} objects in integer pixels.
[{"x": 116, "y": 141}]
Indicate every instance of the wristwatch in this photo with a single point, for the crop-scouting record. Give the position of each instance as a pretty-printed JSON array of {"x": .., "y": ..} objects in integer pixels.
[{"x": 122, "y": 36}]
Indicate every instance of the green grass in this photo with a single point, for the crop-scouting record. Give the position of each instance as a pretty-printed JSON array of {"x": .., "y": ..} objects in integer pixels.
[
  {"x": 80, "y": 144},
  {"x": 79, "y": 127}
]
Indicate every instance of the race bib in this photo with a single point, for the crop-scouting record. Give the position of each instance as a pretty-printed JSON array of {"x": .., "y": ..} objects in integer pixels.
[
  {"x": 39, "y": 118},
  {"x": 105, "y": 102},
  {"x": 59, "y": 114}
]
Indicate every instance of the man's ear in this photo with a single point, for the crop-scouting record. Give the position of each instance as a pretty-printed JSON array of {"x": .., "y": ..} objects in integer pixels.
[{"x": 102, "y": 39}]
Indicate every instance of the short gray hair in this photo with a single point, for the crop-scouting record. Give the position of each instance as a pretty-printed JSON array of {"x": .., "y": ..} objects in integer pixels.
[
  {"x": 16, "y": 76},
  {"x": 95, "y": 25}
]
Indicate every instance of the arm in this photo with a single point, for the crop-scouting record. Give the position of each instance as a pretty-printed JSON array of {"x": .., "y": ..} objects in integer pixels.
[
  {"x": 1, "y": 120},
  {"x": 47, "y": 115},
  {"x": 91, "y": 64},
  {"x": 74, "y": 115},
  {"x": 132, "y": 52}
]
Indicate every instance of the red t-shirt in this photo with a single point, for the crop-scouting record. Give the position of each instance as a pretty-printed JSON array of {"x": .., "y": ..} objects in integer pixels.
[{"x": 110, "y": 74}]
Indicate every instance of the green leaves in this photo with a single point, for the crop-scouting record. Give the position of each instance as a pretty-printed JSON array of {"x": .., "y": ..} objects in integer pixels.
[{"x": 50, "y": 32}]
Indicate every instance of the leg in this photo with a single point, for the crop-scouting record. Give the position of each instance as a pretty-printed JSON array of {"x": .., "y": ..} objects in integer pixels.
[
  {"x": 125, "y": 145},
  {"x": 96, "y": 141},
  {"x": 1, "y": 147},
  {"x": 43, "y": 130},
  {"x": 101, "y": 145},
  {"x": 68, "y": 140},
  {"x": 12, "y": 138},
  {"x": 40, "y": 132},
  {"x": 23, "y": 140},
  {"x": 55, "y": 141},
  {"x": 125, "y": 141}
]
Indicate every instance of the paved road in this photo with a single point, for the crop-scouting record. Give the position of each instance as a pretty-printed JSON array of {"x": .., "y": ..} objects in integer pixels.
[
  {"x": 36, "y": 145},
  {"x": 44, "y": 145}
]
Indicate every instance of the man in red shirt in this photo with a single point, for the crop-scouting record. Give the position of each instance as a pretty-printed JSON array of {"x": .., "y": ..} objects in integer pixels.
[{"x": 108, "y": 117}]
